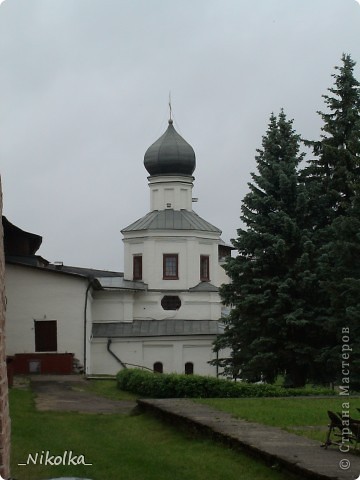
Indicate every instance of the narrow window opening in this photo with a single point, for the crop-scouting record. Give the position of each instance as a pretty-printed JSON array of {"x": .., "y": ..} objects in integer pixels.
[
  {"x": 158, "y": 367},
  {"x": 137, "y": 267},
  {"x": 204, "y": 268},
  {"x": 189, "y": 368}
]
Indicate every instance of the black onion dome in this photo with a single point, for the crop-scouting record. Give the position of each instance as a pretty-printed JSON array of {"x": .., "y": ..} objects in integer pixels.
[{"x": 170, "y": 154}]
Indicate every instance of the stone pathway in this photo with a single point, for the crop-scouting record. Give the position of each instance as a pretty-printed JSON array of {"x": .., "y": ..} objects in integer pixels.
[
  {"x": 297, "y": 454},
  {"x": 68, "y": 393}
]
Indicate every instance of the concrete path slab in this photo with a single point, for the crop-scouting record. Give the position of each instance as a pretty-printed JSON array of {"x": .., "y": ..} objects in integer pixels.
[
  {"x": 68, "y": 393},
  {"x": 297, "y": 454}
]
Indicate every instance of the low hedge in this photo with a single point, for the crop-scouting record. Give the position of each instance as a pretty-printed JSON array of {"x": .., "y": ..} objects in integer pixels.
[{"x": 161, "y": 385}]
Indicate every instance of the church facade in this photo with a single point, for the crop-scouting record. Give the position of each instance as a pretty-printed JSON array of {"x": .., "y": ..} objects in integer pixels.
[{"x": 162, "y": 313}]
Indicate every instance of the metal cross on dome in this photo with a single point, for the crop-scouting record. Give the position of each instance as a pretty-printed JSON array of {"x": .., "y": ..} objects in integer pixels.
[{"x": 170, "y": 108}]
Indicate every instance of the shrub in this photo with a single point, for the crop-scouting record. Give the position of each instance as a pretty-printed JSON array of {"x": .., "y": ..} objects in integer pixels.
[{"x": 161, "y": 385}]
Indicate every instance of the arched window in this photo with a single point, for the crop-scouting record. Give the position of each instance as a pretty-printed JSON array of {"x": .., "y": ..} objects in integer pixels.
[
  {"x": 189, "y": 368},
  {"x": 158, "y": 367}
]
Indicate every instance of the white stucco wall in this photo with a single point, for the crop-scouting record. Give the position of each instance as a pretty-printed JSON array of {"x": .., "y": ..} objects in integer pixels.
[
  {"x": 153, "y": 246},
  {"x": 170, "y": 192},
  {"x": 34, "y": 294},
  {"x": 222, "y": 275},
  {"x": 112, "y": 305},
  {"x": 173, "y": 352},
  {"x": 194, "y": 306}
]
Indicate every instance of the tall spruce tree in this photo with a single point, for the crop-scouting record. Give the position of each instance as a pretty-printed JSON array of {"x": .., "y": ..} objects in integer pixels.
[
  {"x": 269, "y": 329},
  {"x": 332, "y": 180}
]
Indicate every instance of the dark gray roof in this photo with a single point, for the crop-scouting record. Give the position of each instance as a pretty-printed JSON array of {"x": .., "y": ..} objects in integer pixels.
[
  {"x": 17, "y": 242},
  {"x": 118, "y": 283},
  {"x": 85, "y": 272},
  {"x": 32, "y": 260},
  {"x": 170, "y": 155},
  {"x": 170, "y": 219},
  {"x": 42, "y": 265},
  {"x": 227, "y": 245},
  {"x": 156, "y": 328},
  {"x": 204, "y": 287}
]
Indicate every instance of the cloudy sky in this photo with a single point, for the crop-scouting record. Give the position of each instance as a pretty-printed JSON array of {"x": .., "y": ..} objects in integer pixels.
[{"x": 84, "y": 88}]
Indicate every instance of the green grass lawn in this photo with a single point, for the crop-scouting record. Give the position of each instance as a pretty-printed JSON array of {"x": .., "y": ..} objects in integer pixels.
[
  {"x": 107, "y": 388},
  {"x": 120, "y": 447},
  {"x": 304, "y": 416}
]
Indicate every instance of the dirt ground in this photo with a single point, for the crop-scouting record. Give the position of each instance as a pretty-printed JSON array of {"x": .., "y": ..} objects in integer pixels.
[{"x": 68, "y": 393}]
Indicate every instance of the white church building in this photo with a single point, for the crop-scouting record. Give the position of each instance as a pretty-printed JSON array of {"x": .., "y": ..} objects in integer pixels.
[{"x": 162, "y": 313}]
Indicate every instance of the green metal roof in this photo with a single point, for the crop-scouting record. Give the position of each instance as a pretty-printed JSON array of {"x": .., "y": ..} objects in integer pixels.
[{"x": 172, "y": 220}]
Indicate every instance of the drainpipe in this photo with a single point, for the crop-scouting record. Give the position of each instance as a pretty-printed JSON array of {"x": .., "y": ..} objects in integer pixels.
[
  {"x": 113, "y": 354},
  {"x": 124, "y": 365},
  {"x": 91, "y": 279}
]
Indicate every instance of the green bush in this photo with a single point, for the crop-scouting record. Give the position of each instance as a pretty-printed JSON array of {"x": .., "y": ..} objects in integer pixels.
[{"x": 157, "y": 385}]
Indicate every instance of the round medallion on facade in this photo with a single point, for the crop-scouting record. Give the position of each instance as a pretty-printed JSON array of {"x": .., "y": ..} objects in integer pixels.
[{"x": 170, "y": 155}]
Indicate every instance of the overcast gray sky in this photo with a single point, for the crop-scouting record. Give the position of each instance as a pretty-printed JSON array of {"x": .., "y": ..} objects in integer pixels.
[{"x": 84, "y": 88}]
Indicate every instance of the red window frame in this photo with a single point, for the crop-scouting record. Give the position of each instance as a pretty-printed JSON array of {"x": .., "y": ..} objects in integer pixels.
[
  {"x": 137, "y": 267},
  {"x": 171, "y": 271},
  {"x": 204, "y": 268}
]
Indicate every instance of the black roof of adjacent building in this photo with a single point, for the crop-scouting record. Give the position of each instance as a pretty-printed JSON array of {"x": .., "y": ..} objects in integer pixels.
[{"x": 17, "y": 242}]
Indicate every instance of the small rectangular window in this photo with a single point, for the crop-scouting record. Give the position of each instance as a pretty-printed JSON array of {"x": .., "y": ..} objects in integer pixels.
[
  {"x": 204, "y": 268},
  {"x": 170, "y": 266},
  {"x": 137, "y": 267},
  {"x": 45, "y": 336}
]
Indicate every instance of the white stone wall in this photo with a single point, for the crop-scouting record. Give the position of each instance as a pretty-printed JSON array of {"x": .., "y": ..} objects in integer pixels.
[
  {"x": 170, "y": 192},
  {"x": 173, "y": 352},
  {"x": 187, "y": 247},
  {"x": 42, "y": 295},
  {"x": 194, "y": 306},
  {"x": 112, "y": 305},
  {"x": 222, "y": 275}
]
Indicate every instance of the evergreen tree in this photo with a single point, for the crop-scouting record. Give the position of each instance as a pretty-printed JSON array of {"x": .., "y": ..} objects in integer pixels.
[
  {"x": 332, "y": 180},
  {"x": 269, "y": 329},
  {"x": 331, "y": 176}
]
